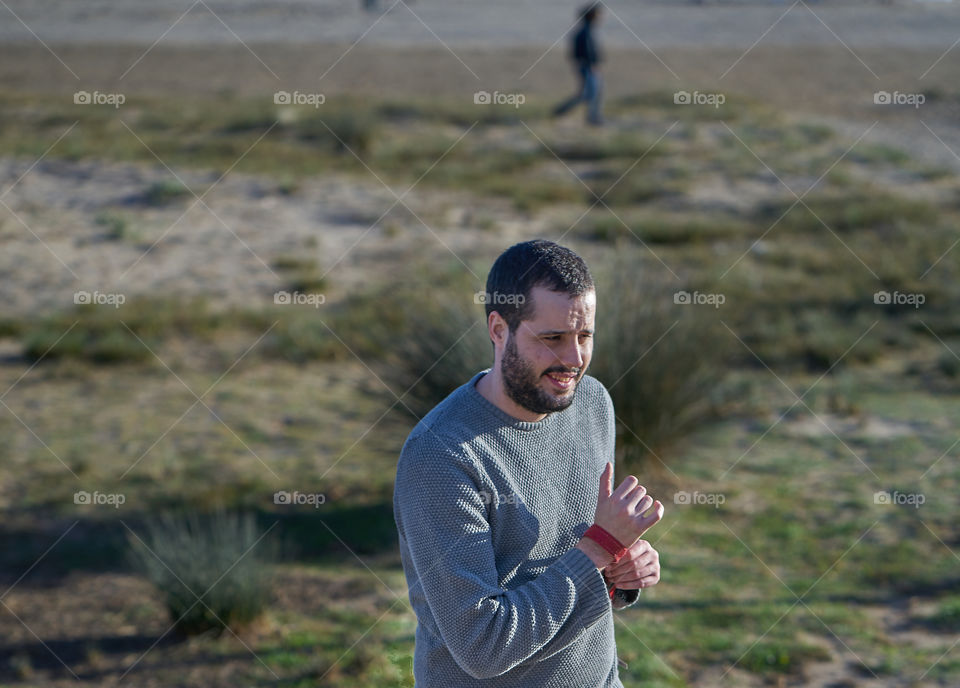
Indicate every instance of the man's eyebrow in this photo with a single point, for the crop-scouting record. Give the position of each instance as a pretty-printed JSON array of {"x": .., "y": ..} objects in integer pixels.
[{"x": 546, "y": 333}]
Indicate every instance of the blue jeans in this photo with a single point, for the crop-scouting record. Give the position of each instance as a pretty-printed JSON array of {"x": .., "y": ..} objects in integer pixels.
[{"x": 591, "y": 88}]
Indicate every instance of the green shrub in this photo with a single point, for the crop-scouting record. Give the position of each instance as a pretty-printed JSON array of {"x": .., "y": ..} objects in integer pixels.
[
  {"x": 219, "y": 558},
  {"x": 165, "y": 191},
  {"x": 779, "y": 657},
  {"x": 339, "y": 130},
  {"x": 947, "y": 616},
  {"x": 948, "y": 364},
  {"x": 301, "y": 336},
  {"x": 663, "y": 363},
  {"x": 294, "y": 262},
  {"x": 849, "y": 213},
  {"x": 95, "y": 340},
  {"x": 660, "y": 229},
  {"x": 441, "y": 345},
  {"x": 620, "y": 145},
  {"x": 100, "y": 334},
  {"x": 116, "y": 226},
  {"x": 308, "y": 282}
]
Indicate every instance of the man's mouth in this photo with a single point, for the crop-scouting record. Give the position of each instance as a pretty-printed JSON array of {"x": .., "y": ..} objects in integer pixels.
[{"x": 562, "y": 381}]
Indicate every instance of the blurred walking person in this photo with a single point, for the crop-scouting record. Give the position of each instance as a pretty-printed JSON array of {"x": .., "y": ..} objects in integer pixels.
[{"x": 586, "y": 57}]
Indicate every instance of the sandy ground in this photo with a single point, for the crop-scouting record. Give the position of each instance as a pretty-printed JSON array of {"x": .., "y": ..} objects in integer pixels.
[
  {"x": 814, "y": 59},
  {"x": 494, "y": 23},
  {"x": 833, "y": 81},
  {"x": 225, "y": 245}
]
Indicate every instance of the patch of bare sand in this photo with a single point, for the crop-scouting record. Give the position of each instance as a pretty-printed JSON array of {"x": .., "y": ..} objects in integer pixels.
[
  {"x": 223, "y": 248},
  {"x": 859, "y": 427}
]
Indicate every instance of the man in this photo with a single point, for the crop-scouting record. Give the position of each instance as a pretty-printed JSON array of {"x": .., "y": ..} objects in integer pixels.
[
  {"x": 586, "y": 57},
  {"x": 496, "y": 488}
]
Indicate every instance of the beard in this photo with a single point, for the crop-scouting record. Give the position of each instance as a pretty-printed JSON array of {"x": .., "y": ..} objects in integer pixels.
[{"x": 522, "y": 382}]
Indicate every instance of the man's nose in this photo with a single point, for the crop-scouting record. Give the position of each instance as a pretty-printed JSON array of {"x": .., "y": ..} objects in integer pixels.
[{"x": 572, "y": 355}]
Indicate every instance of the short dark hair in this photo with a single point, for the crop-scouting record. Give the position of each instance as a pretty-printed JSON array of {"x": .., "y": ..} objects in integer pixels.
[
  {"x": 536, "y": 263},
  {"x": 588, "y": 13}
]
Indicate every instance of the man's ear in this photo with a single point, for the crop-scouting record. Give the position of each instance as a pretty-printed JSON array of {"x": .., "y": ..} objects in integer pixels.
[{"x": 498, "y": 330}]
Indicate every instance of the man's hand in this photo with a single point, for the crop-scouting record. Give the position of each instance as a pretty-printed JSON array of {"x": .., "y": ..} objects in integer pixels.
[
  {"x": 621, "y": 512},
  {"x": 639, "y": 568}
]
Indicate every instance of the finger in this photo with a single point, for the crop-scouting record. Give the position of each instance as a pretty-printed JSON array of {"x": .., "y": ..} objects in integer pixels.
[
  {"x": 626, "y": 487},
  {"x": 627, "y": 564},
  {"x": 636, "y": 580},
  {"x": 644, "y": 504},
  {"x": 650, "y": 580},
  {"x": 646, "y": 571},
  {"x": 636, "y": 563},
  {"x": 636, "y": 497},
  {"x": 653, "y": 514},
  {"x": 606, "y": 480},
  {"x": 638, "y": 555},
  {"x": 633, "y": 572},
  {"x": 612, "y": 579},
  {"x": 628, "y": 584}
]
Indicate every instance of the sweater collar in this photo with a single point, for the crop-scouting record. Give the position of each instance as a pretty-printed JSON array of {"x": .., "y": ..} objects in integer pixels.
[{"x": 501, "y": 416}]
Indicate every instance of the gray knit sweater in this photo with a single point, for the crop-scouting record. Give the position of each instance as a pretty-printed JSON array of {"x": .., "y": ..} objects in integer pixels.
[{"x": 489, "y": 510}]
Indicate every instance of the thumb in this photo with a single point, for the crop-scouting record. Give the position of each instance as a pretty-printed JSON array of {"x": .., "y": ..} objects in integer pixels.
[{"x": 606, "y": 480}]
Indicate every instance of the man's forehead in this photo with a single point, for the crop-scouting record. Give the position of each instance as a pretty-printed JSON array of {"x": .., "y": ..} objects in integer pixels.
[
  {"x": 559, "y": 300},
  {"x": 558, "y": 310}
]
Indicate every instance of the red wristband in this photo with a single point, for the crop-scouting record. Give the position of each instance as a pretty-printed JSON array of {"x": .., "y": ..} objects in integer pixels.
[
  {"x": 607, "y": 541},
  {"x": 611, "y": 586}
]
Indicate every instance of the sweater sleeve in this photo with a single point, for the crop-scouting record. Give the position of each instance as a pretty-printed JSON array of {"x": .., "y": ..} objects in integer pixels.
[{"x": 488, "y": 630}]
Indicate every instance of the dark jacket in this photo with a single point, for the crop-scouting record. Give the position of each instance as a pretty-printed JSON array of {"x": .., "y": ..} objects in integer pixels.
[{"x": 586, "y": 52}]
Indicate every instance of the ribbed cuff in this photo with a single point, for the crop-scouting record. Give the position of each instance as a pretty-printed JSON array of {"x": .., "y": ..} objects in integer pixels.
[{"x": 625, "y": 598}]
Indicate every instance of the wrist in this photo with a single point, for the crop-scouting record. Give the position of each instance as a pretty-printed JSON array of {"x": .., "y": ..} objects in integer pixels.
[
  {"x": 600, "y": 557},
  {"x": 616, "y": 549}
]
